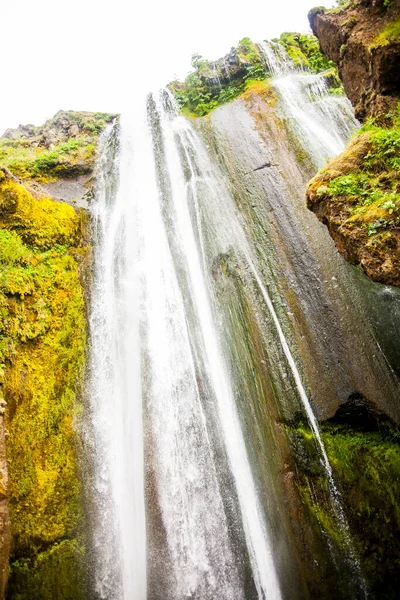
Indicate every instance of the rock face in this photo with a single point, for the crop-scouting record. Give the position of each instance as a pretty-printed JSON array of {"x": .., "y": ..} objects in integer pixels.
[{"x": 363, "y": 40}]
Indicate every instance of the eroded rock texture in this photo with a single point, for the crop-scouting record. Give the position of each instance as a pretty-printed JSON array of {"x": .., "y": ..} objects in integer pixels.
[{"x": 363, "y": 41}]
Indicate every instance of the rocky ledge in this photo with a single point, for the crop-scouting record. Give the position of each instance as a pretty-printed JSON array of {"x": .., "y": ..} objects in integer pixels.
[
  {"x": 57, "y": 158},
  {"x": 357, "y": 195},
  {"x": 363, "y": 39}
]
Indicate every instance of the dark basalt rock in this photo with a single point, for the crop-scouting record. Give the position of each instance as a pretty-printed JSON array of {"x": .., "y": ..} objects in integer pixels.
[{"x": 358, "y": 414}]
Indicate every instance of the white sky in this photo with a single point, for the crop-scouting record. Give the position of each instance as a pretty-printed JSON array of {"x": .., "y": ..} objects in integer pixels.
[{"x": 96, "y": 55}]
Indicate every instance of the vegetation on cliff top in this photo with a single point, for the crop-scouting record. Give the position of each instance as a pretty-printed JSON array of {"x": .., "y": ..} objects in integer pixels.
[
  {"x": 358, "y": 196},
  {"x": 214, "y": 83},
  {"x": 42, "y": 346},
  {"x": 65, "y": 146}
]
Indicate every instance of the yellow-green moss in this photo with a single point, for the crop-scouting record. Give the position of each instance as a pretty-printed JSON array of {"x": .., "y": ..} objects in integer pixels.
[
  {"x": 40, "y": 223},
  {"x": 263, "y": 89},
  {"x": 42, "y": 346},
  {"x": 390, "y": 33}
]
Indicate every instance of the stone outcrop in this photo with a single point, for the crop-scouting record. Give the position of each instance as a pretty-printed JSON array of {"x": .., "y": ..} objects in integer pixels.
[
  {"x": 365, "y": 232},
  {"x": 357, "y": 195},
  {"x": 363, "y": 40},
  {"x": 56, "y": 159}
]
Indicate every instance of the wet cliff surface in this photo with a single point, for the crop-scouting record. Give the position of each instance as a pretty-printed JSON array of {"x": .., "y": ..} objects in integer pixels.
[
  {"x": 320, "y": 301},
  {"x": 44, "y": 260}
]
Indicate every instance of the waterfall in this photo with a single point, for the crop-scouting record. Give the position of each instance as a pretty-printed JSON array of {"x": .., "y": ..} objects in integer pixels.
[
  {"x": 115, "y": 381},
  {"x": 157, "y": 358},
  {"x": 322, "y": 121},
  {"x": 177, "y": 503}
]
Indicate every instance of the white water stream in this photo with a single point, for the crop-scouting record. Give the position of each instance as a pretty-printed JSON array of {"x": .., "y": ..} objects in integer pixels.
[
  {"x": 157, "y": 358},
  {"x": 320, "y": 120}
]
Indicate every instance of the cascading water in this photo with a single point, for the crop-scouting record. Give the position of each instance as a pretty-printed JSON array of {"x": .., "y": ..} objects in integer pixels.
[
  {"x": 166, "y": 223},
  {"x": 150, "y": 277},
  {"x": 322, "y": 121},
  {"x": 115, "y": 390}
]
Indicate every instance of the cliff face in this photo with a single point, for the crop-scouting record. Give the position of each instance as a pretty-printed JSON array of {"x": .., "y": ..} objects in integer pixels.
[
  {"x": 44, "y": 255},
  {"x": 357, "y": 195},
  {"x": 363, "y": 40},
  {"x": 322, "y": 300}
]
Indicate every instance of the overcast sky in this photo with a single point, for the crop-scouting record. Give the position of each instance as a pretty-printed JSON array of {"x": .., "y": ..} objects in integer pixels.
[{"x": 95, "y": 55}]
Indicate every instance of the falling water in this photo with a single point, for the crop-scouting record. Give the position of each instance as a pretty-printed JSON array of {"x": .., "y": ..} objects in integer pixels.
[
  {"x": 154, "y": 321},
  {"x": 216, "y": 78},
  {"x": 163, "y": 397},
  {"x": 322, "y": 121},
  {"x": 115, "y": 390}
]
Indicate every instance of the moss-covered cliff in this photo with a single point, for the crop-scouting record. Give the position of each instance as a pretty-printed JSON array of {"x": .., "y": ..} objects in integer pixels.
[
  {"x": 43, "y": 258},
  {"x": 357, "y": 195},
  {"x": 214, "y": 83}
]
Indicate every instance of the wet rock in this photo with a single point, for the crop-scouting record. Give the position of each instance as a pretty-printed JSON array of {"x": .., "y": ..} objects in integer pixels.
[
  {"x": 73, "y": 130},
  {"x": 358, "y": 413},
  {"x": 359, "y": 41}
]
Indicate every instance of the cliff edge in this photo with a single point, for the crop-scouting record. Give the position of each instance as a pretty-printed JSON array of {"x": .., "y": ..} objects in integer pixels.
[
  {"x": 363, "y": 39},
  {"x": 357, "y": 195}
]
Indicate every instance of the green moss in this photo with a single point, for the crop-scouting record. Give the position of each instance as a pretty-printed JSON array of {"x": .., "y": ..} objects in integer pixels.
[
  {"x": 42, "y": 347},
  {"x": 366, "y": 468},
  {"x": 248, "y": 52},
  {"x": 55, "y": 574},
  {"x": 370, "y": 188},
  {"x": 304, "y": 50}
]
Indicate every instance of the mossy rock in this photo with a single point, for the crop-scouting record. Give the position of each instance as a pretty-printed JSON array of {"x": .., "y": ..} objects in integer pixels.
[
  {"x": 56, "y": 574},
  {"x": 366, "y": 470},
  {"x": 42, "y": 351},
  {"x": 357, "y": 195}
]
